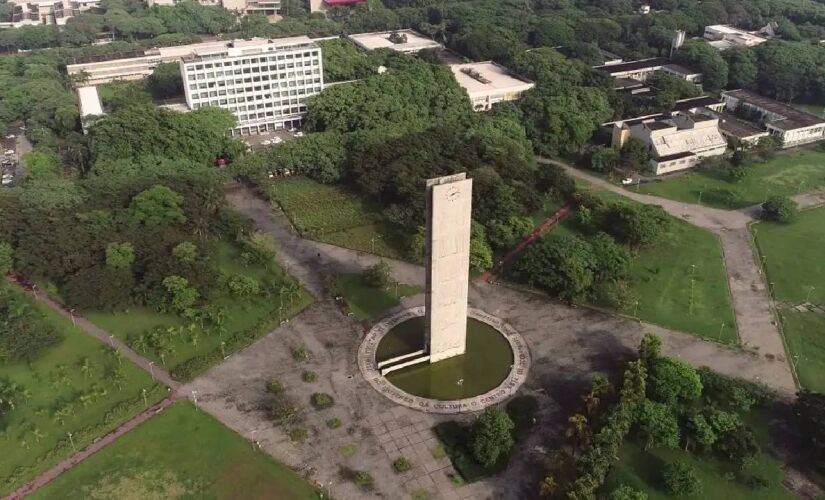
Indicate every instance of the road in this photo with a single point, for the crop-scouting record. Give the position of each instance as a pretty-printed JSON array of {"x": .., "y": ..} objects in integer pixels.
[{"x": 755, "y": 312}]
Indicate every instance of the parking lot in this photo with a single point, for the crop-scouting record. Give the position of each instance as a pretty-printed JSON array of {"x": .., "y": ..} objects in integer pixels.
[{"x": 9, "y": 156}]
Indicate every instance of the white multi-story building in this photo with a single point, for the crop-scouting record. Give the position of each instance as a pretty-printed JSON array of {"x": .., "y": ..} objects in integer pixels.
[
  {"x": 488, "y": 83},
  {"x": 267, "y": 8},
  {"x": 725, "y": 37},
  {"x": 406, "y": 41},
  {"x": 264, "y": 83},
  {"x": 676, "y": 142},
  {"x": 790, "y": 126},
  {"x": 33, "y": 12}
]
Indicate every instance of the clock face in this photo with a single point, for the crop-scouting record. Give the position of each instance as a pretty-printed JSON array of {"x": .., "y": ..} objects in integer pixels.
[{"x": 452, "y": 194}]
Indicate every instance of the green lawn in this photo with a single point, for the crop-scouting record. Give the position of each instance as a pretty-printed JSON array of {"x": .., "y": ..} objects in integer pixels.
[
  {"x": 661, "y": 276},
  {"x": 793, "y": 256},
  {"x": 32, "y": 437},
  {"x": 180, "y": 453},
  {"x": 786, "y": 174},
  {"x": 366, "y": 302},
  {"x": 253, "y": 315},
  {"x": 805, "y": 335},
  {"x": 640, "y": 470},
  {"x": 334, "y": 215}
]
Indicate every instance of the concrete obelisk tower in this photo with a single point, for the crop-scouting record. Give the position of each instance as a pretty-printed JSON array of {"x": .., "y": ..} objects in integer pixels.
[{"x": 449, "y": 207}]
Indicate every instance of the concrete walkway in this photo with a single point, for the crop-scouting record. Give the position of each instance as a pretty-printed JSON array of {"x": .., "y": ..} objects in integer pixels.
[{"x": 753, "y": 306}]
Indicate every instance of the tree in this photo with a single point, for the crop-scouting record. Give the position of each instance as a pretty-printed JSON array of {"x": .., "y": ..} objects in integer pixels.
[
  {"x": 742, "y": 67},
  {"x": 680, "y": 479},
  {"x": 602, "y": 159},
  {"x": 739, "y": 446},
  {"x": 481, "y": 255},
  {"x": 42, "y": 165},
  {"x": 505, "y": 234},
  {"x": 562, "y": 265},
  {"x": 779, "y": 208},
  {"x": 636, "y": 225},
  {"x": 378, "y": 275},
  {"x": 120, "y": 256},
  {"x": 242, "y": 286},
  {"x": 674, "y": 381},
  {"x": 181, "y": 295},
  {"x": 6, "y": 258},
  {"x": 625, "y": 492},
  {"x": 634, "y": 155},
  {"x": 158, "y": 206},
  {"x": 658, "y": 425},
  {"x": 809, "y": 418},
  {"x": 166, "y": 81},
  {"x": 491, "y": 436},
  {"x": 186, "y": 252},
  {"x": 650, "y": 349},
  {"x": 611, "y": 261},
  {"x": 708, "y": 60},
  {"x": 24, "y": 332}
]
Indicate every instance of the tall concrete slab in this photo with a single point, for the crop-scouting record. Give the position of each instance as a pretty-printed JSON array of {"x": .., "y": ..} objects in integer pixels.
[{"x": 449, "y": 207}]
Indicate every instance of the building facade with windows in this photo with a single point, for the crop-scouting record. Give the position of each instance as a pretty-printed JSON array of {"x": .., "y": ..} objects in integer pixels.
[
  {"x": 34, "y": 12},
  {"x": 264, "y": 83},
  {"x": 790, "y": 126}
]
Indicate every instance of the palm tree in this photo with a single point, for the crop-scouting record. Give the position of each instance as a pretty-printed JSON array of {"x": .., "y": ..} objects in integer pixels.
[
  {"x": 547, "y": 486},
  {"x": 141, "y": 342},
  {"x": 86, "y": 367},
  {"x": 293, "y": 290},
  {"x": 118, "y": 354},
  {"x": 37, "y": 434},
  {"x": 61, "y": 413},
  {"x": 578, "y": 431}
]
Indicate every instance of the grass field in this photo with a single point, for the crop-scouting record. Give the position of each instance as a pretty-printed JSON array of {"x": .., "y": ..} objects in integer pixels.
[
  {"x": 640, "y": 470},
  {"x": 334, "y": 215},
  {"x": 261, "y": 313},
  {"x": 366, "y": 302},
  {"x": 661, "y": 276},
  {"x": 786, "y": 174},
  {"x": 181, "y": 453},
  {"x": 62, "y": 399},
  {"x": 792, "y": 255},
  {"x": 805, "y": 335}
]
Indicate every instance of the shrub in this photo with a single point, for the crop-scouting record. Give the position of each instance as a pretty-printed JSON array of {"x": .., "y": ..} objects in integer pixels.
[
  {"x": 439, "y": 452},
  {"x": 243, "y": 286},
  {"x": 680, "y": 479},
  {"x": 300, "y": 354},
  {"x": 779, "y": 208},
  {"x": 321, "y": 401},
  {"x": 334, "y": 423},
  {"x": 455, "y": 480},
  {"x": 401, "y": 465},
  {"x": 298, "y": 435},
  {"x": 309, "y": 376},
  {"x": 364, "y": 480},
  {"x": 625, "y": 492},
  {"x": 284, "y": 410},
  {"x": 275, "y": 387},
  {"x": 377, "y": 276},
  {"x": 491, "y": 437},
  {"x": 674, "y": 380},
  {"x": 347, "y": 451}
]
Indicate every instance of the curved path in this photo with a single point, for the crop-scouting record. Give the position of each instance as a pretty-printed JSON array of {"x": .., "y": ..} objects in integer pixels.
[{"x": 753, "y": 306}]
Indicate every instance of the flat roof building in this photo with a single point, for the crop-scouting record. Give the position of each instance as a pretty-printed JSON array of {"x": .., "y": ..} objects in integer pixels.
[
  {"x": 35, "y": 12},
  {"x": 406, "y": 41},
  {"x": 676, "y": 142},
  {"x": 643, "y": 69},
  {"x": 90, "y": 106},
  {"x": 790, "y": 126},
  {"x": 264, "y": 83},
  {"x": 723, "y": 37},
  {"x": 488, "y": 83}
]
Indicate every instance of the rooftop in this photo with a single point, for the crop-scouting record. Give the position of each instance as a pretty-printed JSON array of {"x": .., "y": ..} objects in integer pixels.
[
  {"x": 655, "y": 62},
  {"x": 695, "y": 102},
  {"x": 412, "y": 41},
  {"x": 682, "y": 70},
  {"x": 792, "y": 118},
  {"x": 487, "y": 76},
  {"x": 89, "y": 101},
  {"x": 238, "y": 47},
  {"x": 735, "y": 127}
]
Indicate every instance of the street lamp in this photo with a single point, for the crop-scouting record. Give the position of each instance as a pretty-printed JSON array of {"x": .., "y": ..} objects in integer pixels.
[
  {"x": 152, "y": 371},
  {"x": 72, "y": 442}
]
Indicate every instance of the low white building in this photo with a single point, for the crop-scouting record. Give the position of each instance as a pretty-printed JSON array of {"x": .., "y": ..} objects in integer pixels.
[
  {"x": 723, "y": 37},
  {"x": 269, "y": 8},
  {"x": 676, "y": 142},
  {"x": 406, "y": 41},
  {"x": 264, "y": 83},
  {"x": 790, "y": 126},
  {"x": 488, "y": 83},
  {"x": 643, "y": 69},
  {"x": 90, "y": 106},
  {"x": 36, "y": 12}
]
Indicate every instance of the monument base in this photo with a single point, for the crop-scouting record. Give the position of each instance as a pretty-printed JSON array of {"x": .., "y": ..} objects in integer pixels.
[{"x": 491, "y": 370}]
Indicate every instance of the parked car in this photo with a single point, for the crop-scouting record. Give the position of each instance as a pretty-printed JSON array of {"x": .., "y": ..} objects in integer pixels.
[
  {"x": 299, "y": 134},
  {"x": 628, "y": 180}
]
